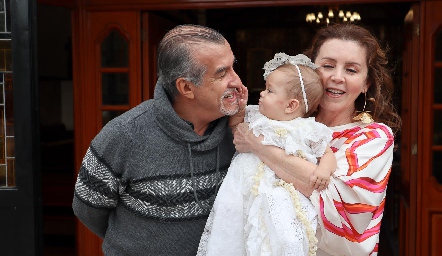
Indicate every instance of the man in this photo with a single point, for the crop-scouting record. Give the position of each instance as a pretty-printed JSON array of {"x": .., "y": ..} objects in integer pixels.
[{"x": 149, "y": 178}]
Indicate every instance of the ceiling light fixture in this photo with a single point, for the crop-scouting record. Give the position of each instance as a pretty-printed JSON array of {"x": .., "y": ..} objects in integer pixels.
[{"x": 334, "y": 15}]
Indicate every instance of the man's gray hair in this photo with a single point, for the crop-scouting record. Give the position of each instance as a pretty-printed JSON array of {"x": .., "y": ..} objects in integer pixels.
[{"x": 176, "y": 58}]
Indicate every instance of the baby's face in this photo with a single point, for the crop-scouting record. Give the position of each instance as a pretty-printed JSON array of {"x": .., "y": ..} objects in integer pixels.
[{"x": 274, "y": 100}]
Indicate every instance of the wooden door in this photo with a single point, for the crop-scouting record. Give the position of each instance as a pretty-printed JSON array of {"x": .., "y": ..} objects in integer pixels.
[
  {"x": 429, "y": 177},
  {"x": 409, "y": 134},
  {"x": 105, "y": 32},
  {"x": 108, "y": 65}
]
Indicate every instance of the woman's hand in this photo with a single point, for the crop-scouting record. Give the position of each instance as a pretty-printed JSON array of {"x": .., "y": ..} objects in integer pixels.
[{"x": 244, "y": 139}]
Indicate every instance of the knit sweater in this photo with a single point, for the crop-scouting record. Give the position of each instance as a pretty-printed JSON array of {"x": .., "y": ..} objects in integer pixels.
[{"x": 148, "y": 181}]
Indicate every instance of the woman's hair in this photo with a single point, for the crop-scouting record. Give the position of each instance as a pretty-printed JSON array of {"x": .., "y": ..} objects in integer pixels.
[
  {"x": 312, "y": 86},
  {"x": 380, "y": 82},
  {"x": 176, "y": 55}
]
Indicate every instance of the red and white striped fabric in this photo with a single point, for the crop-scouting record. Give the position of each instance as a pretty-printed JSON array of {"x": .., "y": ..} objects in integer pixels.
[{"x": 350, "y": 210}]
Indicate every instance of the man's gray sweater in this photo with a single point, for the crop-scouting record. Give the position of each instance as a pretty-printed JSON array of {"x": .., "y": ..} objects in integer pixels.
[{"x": 148, "y": 181}]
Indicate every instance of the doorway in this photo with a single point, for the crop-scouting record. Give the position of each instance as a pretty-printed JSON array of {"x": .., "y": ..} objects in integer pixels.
[
  {"x": 56, "y": 128},
  {"x": 255, "y": 34}
]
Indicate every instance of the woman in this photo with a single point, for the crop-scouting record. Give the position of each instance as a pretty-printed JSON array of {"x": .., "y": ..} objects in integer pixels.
[{"x": 357, "y": 84}]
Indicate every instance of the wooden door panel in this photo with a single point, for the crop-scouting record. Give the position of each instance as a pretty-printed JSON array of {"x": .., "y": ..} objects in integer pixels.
[
  {"x": 96, "y": 26},
  {"x": 436, "y": 234},
  {"x": 87, "y": 90},
  {"x": 430, "y": 190},
  {"x": 409, "y": 134}
]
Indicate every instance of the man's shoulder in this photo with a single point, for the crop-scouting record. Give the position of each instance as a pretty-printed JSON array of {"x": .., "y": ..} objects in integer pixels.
[{"x": 143, "y": 110}]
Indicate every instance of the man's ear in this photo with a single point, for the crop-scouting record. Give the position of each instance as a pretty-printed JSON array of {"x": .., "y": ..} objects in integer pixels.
[
  {"x": 184, "y": 87},
  {"x": 292, "y": 106}
]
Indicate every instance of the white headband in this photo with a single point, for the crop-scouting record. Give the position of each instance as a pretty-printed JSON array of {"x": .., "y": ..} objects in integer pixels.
[
  {"x": 281, "y": 59},
  {"x": 303, "y": 89}
]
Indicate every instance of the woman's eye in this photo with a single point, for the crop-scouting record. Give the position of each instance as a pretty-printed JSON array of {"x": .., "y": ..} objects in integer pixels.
[
  {"x": 327, "y": 66},
  {"x": 268, "y": 90},
  {"x": 350, "y": 70}
]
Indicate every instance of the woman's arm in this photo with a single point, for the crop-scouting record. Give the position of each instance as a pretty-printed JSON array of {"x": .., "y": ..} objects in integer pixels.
[
  {"x": 290, "y": 168},
  {"x": 350, "y": 210}
]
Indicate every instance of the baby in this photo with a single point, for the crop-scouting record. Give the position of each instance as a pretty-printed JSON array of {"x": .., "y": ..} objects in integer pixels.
[{"x": 255, "y": 212}]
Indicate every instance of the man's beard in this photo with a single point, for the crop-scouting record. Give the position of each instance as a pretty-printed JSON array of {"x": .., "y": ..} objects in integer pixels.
[{"x": 228, "y": 110}]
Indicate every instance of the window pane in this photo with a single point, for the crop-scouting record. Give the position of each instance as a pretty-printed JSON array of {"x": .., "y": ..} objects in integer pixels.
[
  {"x": 109, "y": 115},
  {"x": 115, "y": 88},
  {"x": 2, "y": 17},
  {"x": 3, "y": 175},
  {"x": 114, "y": 51},
  {"x": 5, "y": 56},
  {"x": 438, "y": 44},
  {"x": 10, "y": 147},
  {"x": 437, "y": 165},
  {"x": 7, "y": 142},
  {"x": 11, "y": 173},
  {"x": 437, "y": 132},
  {"x": 438, "y": 85}
]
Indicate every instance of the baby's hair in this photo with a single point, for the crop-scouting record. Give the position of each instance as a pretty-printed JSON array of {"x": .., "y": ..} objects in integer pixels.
[{"x": 312, "y": 85}]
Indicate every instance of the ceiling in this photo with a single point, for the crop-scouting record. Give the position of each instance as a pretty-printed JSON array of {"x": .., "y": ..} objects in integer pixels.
[{"x": 286, "y": 16}]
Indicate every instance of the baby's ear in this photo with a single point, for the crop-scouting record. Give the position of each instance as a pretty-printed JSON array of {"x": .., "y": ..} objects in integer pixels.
[{"x": 292, "y": 106}]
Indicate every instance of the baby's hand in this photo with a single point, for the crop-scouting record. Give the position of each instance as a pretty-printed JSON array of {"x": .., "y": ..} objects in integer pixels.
[
  {"x": 243, "y": 95},
  {"x": 237, "y": 118},
  {"x": 320, "y": 178}
]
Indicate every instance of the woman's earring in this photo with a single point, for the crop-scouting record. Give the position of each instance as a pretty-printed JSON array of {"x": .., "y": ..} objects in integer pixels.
[{"x": 364, "y": 116}]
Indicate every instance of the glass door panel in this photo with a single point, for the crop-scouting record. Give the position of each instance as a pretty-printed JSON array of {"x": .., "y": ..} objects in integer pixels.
[
  {"x": 437, "y": 165},
  {"x": 437, "y": 109},
  {"x": 114, "y": 51},
  {"x": 115, "y": 75},
  {"x": 438, "y": 50},
  {"x": 115, "y": 88},
  {"x": 438, "y": 83}
]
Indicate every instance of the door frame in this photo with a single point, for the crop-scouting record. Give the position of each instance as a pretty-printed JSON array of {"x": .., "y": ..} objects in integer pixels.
[
  {"x": 429, "y": 207},
  {"x": 407, "y": 224},
  {"x": 21, "y": 212},
  {"x": 86, "y": 243}
]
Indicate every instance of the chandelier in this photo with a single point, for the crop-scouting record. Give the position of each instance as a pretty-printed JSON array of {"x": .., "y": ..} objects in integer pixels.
[{"x": 334, "y": 15}]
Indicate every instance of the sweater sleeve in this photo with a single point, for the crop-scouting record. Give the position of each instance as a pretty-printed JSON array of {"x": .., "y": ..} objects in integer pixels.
[
  {"x": 99, "y": 183},
  {"x": 94, "y": 219},
  {"x": 350, "y": 210}
]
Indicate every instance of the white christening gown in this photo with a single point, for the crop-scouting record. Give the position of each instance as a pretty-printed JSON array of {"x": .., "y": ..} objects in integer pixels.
[{"x": 256, "y": 213}]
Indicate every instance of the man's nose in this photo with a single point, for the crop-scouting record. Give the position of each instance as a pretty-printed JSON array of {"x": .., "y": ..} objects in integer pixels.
[{"x": 236, "y": 81}]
